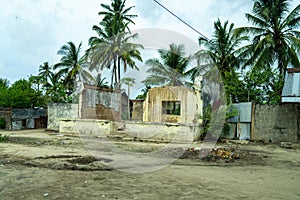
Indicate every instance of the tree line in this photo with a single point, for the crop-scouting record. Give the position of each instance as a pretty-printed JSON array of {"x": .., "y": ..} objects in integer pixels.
[{"x": 251, "y": 60}]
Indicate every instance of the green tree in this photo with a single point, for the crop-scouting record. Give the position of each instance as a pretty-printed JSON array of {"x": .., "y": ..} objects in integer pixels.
[
  {"x": 276, "y": 38},
  {"x": 4, "y": 95},
  {"x": 71, "y": 66},
  {"x": 144, "y": 93},
  {"x": 227, "y": 54},
  {"x": 170, "y": 69},
  {"x": 111, "y": 48},
  {"x": 116, "y": 17},
  {"x": 101, "y": 82},
  {"x": 262, "y": 84},
  {"x": 4, "y": 83},
  {"x": 46, "y": 73},
  {"x": 56, "y": 91},
  {"x": 22, "y": 95}
]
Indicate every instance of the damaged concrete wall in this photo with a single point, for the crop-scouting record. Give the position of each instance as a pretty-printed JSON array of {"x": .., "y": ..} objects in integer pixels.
[
  {"x": 162, "y": 131},
  {"x": 5, "y": 113},
  {"x": 100, "y": 104},
  {"x": 27, "y": 118},
  {"x": 190, "y": 107},
  {"x": 85, "y": 126},
  {"x": 57, "y": 111},
  {"x": 137, "y": 110},
  {"x": 277, "y": 123}
]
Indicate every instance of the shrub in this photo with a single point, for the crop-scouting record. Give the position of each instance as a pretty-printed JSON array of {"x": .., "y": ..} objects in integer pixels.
[
  {"x": 2, "y": 123},
  {"x": 4, "y": 138}
]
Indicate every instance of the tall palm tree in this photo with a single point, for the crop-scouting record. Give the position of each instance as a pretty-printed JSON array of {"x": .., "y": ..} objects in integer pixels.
[
  {"x": 170, "y": 69},
  {"x": 71, "y": 66},
  {"x": 226, "y": 54},
  {"x": 111, "y": 48},
  {"x": 116, "y": 17},
  {"x": 45, "y": 72},
  {"x": 276, "y": 37},
  {"x": 113, "y": 53}
]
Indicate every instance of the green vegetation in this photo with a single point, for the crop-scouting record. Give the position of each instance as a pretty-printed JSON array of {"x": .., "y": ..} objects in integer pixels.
[
  {"x": 170, "y": 70},
  {"x": 2, "y": 123},
  {"x": 252, "y": 60},
  {"x": 4, "y": 138}
]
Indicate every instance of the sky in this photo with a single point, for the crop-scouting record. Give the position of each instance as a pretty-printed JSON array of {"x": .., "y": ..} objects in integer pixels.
[{"x": 32, "y": 31}]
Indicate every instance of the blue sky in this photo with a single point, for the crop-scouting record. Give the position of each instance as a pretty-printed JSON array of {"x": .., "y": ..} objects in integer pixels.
[{"x": 32, "y": 31}]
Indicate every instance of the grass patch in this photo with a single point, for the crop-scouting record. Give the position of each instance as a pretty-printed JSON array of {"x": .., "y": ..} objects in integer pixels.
[{"x": 4, "y": 138}]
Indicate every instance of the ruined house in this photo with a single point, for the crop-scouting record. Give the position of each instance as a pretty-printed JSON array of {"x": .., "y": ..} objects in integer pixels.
[
  {"x": 27, "y": 118},
  {"x": 176, "y": 104}
]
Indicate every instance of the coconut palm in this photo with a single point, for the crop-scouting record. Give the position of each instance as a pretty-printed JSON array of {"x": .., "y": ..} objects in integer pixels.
[
  {"x": 116, "y": 17},
  {"x": 276, "y": 38},
  {"x": 225, "y": 53},
  {"x": 169, "y": 70},
  {"x": 113, "y": 53},
  {"x": 101, "y": 82},
  {"x": 111, "y": 48},
  {"x": 45, "y": 72},
  {"x": 71, "y": 66}
]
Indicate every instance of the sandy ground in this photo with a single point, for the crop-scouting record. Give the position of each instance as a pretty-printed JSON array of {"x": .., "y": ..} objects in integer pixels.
[{"x": 36, "y": 164}]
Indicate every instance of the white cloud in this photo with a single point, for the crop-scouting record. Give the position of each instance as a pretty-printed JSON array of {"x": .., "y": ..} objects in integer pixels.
[{"x": 33, "y": 30}]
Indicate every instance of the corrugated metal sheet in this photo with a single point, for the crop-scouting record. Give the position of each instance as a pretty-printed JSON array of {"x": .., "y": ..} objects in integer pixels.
[
  {"x": 244, "y": 110},
  {"x": 243, "y": 131},
  {"x": 288, "y": 85},
  {"x": 291, "y": 89},
  {"x": 243, "y": 120}
]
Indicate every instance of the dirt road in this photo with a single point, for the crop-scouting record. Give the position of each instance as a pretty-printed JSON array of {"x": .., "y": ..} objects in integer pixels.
[{"x": 47, "y": 165}]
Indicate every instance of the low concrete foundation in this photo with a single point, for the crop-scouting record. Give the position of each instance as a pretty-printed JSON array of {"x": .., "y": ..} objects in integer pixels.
[{"x": 137, "y": 130}]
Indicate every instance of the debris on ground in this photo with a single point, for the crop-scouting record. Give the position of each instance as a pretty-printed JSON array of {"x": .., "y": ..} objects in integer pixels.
[
  {"x": 225, "y": 153},
  {"x": 211, "y": 155}
]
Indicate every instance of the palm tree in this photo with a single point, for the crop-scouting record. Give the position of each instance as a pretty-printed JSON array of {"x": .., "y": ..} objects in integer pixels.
[
  {"x": 71, "y": 66},
  {"x": 170, "y": 69},
  {"x": 116, "y": 17},
  {"x": 101, "y": 82},
  {"x": 112, "y": 53},
  {"x": 226, "y": 54},
  {"x": 45, "y": 72},
  {"x": 111, "y": 48},
  {"x": 276, "y": 38}
]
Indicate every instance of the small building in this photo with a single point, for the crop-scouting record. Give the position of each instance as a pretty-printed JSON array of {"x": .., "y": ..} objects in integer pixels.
[
  {"x": 28, "y": 118},
  {"x": 291, "y": 89},
  {"x": 176, "y": 104}
]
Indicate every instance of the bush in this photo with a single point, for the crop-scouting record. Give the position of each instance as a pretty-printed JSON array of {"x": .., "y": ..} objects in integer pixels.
[
  {"x": 4, "y": 138},
  {"x": 2, "y": 123}
]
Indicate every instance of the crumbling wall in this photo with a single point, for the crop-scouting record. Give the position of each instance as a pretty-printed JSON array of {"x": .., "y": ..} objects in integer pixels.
[
  {"x": 161, "y": 131},
  {"x": 6, "y": 114},
  {"x": 100, "y": 104},
  {"x": 137, "y": 110},
  {"x": 57, "y": 111},
  {"x": 190, "y": 107},
  {"x": 276, "y": 123},
  {"x": 27, "y": 118}
]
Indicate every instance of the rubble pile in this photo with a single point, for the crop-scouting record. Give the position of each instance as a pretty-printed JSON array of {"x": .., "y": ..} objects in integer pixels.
[{"x": 211, "y": 155}]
